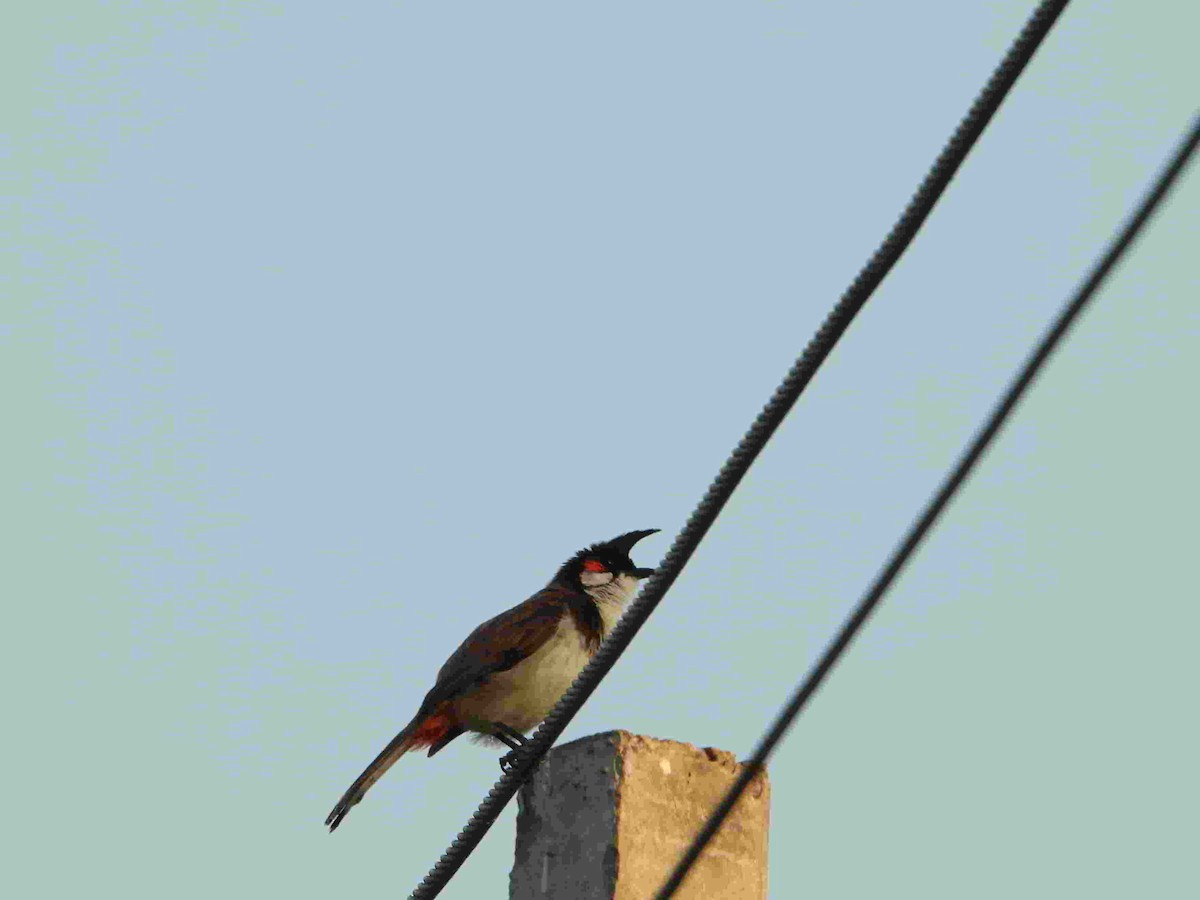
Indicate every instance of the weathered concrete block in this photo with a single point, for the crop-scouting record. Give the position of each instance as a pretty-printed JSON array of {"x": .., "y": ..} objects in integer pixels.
[{"x": 607, "y": 817}]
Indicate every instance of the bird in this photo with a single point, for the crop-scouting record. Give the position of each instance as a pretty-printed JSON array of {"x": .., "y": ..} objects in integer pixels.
[{"x": 510, "y": 671}]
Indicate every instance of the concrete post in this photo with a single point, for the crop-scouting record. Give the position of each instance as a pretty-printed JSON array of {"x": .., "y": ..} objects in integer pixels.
[{"x": 607, "y": 817}]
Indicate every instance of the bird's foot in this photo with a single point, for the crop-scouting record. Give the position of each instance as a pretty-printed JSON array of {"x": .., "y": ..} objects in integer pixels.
[{"x": 508, "y": 761}]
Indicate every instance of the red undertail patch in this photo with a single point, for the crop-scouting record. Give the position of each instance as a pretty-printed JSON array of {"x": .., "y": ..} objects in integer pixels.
[{"x": 431, "y": 730}]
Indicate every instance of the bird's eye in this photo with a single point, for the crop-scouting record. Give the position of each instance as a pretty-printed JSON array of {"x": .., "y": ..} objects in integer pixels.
[{"x": 594, "y": 565}]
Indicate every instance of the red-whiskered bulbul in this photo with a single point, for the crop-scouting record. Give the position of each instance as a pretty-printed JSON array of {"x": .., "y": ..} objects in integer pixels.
[{"x": 511, "y": 670}]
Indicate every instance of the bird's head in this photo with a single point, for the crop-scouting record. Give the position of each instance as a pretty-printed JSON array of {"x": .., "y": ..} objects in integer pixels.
[{"x": 605, "y": 567}]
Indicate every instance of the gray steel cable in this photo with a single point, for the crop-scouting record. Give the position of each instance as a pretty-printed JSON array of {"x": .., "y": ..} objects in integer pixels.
[
  {"x": 936, "y": 505},
  {"x": 835, "y": 325}
]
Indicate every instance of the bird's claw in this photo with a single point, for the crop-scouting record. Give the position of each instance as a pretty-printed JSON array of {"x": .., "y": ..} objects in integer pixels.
[{"x": 508, "y": 761}]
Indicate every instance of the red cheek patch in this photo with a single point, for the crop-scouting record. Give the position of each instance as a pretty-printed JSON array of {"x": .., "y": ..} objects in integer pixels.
[{"x": 594, "y": 565}]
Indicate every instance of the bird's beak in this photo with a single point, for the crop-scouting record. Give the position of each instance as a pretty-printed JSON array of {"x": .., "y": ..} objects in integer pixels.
[{"x": 642, "y": 573}]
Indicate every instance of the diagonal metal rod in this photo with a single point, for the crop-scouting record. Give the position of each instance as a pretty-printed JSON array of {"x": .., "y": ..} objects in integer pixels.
[{"x": 937, "y": 504}]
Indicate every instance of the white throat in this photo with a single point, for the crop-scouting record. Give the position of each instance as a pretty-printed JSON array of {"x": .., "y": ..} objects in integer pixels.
[{"x": 611, "y": 597}]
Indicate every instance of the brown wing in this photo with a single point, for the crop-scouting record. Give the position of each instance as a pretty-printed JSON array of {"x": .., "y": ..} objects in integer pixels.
[{"x": 502, "y": 642}]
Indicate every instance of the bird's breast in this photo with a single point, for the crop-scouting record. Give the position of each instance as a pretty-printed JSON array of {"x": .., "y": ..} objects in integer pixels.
[{"x": 522, "y": 696}]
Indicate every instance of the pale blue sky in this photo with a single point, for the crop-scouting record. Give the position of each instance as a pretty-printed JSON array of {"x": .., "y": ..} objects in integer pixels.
[{"x": 329, "y": 334}]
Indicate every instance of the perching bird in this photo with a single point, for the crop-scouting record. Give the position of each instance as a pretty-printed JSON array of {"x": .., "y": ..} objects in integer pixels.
[{"x": 508, "y": 674}]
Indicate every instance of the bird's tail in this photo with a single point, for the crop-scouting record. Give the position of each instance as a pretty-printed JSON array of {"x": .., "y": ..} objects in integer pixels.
[{"x": 423, "y": 731}]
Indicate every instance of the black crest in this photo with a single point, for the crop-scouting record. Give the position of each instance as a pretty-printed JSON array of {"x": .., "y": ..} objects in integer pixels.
[{"x": 613, "y": 554}]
